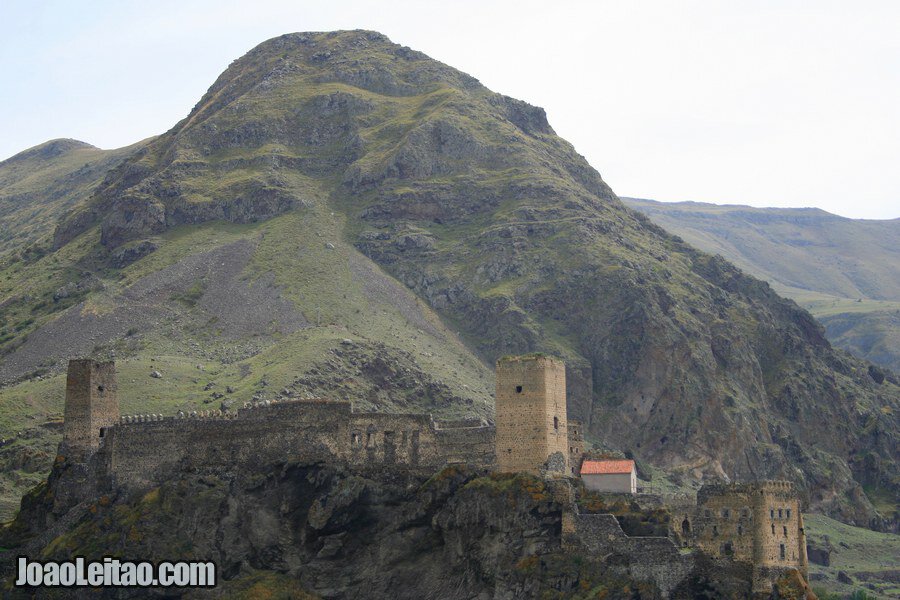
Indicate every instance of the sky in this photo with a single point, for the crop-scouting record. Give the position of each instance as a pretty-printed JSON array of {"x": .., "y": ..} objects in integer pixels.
[{"x": 785, "y": 103}]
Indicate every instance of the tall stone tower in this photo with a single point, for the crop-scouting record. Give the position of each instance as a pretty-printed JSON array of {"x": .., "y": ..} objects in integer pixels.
[
  {"x": 531, "y": 413},
  {"x": 91, "y": 404}
]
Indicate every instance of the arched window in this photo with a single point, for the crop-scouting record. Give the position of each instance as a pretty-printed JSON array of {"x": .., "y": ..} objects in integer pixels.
[
  {"x": 555, "y": 422},
  {"x": 782, "y": 551},
  {"x": 686, "y": 527}
]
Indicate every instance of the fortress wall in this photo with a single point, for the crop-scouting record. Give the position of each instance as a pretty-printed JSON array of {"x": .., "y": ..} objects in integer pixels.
[
  {"x": 141, "y": 454},
  {"x": 392, "y": 439},
  {"x": 655, "y": 559},
  {"x": 724, "y": 524},
  {"x": 414, "y": 440},
  {"x": 474, "y": 445}
]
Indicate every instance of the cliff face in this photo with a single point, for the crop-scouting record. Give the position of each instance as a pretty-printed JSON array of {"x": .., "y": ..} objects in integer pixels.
[
  {"x": 470, "y": 200},
  {"x": 321, "y": 530}
]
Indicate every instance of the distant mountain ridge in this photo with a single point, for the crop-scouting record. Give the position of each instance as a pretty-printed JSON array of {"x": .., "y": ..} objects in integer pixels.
[{"x": 845, "y": 271}]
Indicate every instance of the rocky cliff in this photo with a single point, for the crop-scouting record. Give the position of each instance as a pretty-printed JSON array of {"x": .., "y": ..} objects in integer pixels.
[{"x": 313, "y": 530}]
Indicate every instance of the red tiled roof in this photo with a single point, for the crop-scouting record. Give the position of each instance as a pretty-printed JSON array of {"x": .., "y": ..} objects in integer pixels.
[{"x": 606, "y": 467}]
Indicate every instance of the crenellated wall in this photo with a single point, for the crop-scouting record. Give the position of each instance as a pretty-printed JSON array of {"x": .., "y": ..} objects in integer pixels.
[{"x": 144, "y": 450}]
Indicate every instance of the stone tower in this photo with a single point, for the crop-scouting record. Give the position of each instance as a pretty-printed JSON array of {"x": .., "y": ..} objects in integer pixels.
[
  {"x": 780, "y": 539},
  {"x": 91, "y": 404},
  {"x": 756, "y": 523},
  {"x": 531, "y": 414}
]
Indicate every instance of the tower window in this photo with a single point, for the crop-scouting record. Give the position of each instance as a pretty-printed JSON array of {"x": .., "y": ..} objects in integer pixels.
[
  {"x": 782, "y": 551},
  {"x": 779, "y": 513},
  {"x": 772, "y": 513},
  {"x": 773, "y": 528},
  {"x": 99, "y": 388},
  {"x": 785, "y": 531},
  {"x": 555, "y": 423},
  {"x": 740, "y": 530},
  {"x": 788, "y": 513},
  {"x": 518, "y": 389}
]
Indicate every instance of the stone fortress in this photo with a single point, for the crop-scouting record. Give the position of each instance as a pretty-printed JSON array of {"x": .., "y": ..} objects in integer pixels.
[{"x": 754, "y": 526}]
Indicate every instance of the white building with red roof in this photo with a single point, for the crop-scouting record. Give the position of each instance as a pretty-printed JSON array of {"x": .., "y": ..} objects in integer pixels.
[{"x": 609, "y": 475}]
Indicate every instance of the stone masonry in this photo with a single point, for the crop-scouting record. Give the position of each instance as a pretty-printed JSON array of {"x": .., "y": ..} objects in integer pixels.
[
  {"x": 92, "y": 403},
  {"x": 134, "y": 452},
  {"x": 753, "y": 528},
  {"x": 755, "y": 523},
  {"x": 531, "y": 414}
]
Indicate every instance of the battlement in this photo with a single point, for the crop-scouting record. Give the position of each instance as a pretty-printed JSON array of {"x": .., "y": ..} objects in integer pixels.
[
  {"x": 136, "y": 451},
  {"x": 748, "y": 488}
]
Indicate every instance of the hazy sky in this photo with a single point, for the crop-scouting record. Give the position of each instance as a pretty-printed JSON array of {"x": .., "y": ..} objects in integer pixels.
[{"x": 762, "y": 103}]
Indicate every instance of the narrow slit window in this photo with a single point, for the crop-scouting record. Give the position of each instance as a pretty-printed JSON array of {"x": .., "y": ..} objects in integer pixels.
[{"x": 518, "y": 389}]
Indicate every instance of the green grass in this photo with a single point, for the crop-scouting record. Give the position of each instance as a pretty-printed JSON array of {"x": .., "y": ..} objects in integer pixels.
[{"x": 868, "y": 552}]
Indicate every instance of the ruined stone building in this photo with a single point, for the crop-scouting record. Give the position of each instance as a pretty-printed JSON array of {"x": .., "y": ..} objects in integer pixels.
[
  {"x": 756, "y": 523},
  {"x": 754, "y": 526},
  {"x": 107, "y": 450}
]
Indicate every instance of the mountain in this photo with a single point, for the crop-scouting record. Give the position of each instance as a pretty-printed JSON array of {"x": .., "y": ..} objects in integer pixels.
[
  {"x": 846, "y": 272},
  {"x": 342, "y": 216},
  {"x": 40, "y": 185}
]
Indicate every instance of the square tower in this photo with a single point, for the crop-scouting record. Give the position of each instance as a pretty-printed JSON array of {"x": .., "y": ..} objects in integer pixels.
[
  {"x": 92, "y": 403},
  {"x": 531, "y": 413}
]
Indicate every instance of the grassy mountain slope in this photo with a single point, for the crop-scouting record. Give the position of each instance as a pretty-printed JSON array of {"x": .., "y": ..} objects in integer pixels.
[
  {"x": 39, "y": 185},
  {"x": 336, "y": 185},
  {"x": 846, "y": 272}
]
